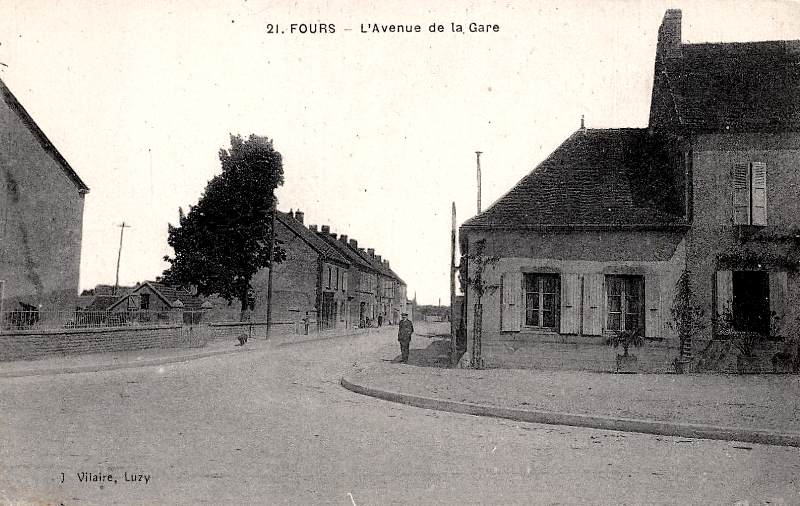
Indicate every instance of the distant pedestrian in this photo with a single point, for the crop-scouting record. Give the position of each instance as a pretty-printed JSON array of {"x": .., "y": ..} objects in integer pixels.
[{"x": 404, "y": 336}]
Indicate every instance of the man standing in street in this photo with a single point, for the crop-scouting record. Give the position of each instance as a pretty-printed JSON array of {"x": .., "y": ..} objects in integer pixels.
[{"x": 404, "y": 336}]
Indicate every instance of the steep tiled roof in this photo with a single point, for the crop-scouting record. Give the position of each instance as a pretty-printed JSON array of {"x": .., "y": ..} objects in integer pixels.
[
  {"x": 318, "y": 244},
  {"x": 173, "y": 293},
  {"x": 735, "y": 87},
  {"x": 596, "y": 177},
  {"x": 48, "y": 146},
  {"x": 168, "y": 294},
  {"x": 347, "y": 251},
  {"x": 377, "y": 265}
]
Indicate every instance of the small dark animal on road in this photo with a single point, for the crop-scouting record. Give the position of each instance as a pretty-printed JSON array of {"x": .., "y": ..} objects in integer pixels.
[{"x": 242, "y": 339}]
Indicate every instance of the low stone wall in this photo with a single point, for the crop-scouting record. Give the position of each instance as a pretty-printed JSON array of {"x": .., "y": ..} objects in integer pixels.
[
  {"x": 29, "y": 345},
  {"x": 590, "y": 353},
  {"x": 573, "y": 353},
  {"x": 719, "y": 355}
]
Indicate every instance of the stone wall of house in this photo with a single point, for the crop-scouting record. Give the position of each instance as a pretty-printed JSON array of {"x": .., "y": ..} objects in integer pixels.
[
  {"x": 41, "y": 216},
  {"x": 657, "y": 256},
  {"x": 713, "y": 232}
]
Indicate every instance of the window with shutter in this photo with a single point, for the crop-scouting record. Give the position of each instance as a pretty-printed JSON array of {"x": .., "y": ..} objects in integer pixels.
[
  {"x": 652, "y": 300},
  {"x": 758, "y": 172},
  {"x": 625, "y": 304},
  {"x": 724, "y": 299},
  {"x": 741, "y": 194},
  {"x": 571, "y": 303},
  {"x": 778, "y": 287},
  {"x": 592, "y": 304},
  {"x": 509, "y": 307},
  {"x": 541, "y": 301},
  {"x": 750, "y": 194}
]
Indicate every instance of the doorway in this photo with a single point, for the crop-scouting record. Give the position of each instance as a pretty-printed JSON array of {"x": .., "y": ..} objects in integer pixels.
[{"x": 751, "y": 301}]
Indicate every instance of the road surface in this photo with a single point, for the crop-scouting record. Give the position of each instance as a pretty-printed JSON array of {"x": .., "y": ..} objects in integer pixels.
[{"x": 275, "y": 427}]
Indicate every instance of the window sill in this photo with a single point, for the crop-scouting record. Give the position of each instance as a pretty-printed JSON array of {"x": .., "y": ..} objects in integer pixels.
[{"x": 538, "y": 330}]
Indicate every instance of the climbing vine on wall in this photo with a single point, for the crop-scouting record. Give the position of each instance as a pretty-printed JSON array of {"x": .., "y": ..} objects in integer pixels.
[{"x": 759, "y": 249}]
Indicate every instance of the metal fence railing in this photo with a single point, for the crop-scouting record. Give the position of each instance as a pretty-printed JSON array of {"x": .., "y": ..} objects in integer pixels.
[
  {"x": 33, "y": 320},
  {"x": 53, "y": 320}
]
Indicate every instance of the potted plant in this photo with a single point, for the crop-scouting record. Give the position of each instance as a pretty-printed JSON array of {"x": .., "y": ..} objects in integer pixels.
[
  {"x": 627, "y": 363},
  {"x": 747, "y": 362}
]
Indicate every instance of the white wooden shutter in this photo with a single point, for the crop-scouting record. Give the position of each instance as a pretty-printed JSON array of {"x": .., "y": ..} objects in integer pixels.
[
  {"x": 724, "y": 299},
  {"x": 778, "y": 286},
  {"x": 741, "y": 194},
  {"x": 759, "y": 193},
  {"x": 570, "y": 303},
  {"x": 510, "y": 303},
  {"x": 652, "y": 306},
  {"x": 593, "y": 304}
]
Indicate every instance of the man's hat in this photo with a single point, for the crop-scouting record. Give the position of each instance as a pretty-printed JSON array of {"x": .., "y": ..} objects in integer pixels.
[{"x": 403, "y": 314}]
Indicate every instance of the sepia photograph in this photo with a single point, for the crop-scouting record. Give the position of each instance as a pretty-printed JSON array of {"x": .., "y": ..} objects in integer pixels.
[{"x": 375, "y": 253}]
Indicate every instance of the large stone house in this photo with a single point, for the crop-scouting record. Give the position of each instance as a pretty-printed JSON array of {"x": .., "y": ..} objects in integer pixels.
[
  {"x": 41, "y": 215},
  {"x": 593, "y": 241}
]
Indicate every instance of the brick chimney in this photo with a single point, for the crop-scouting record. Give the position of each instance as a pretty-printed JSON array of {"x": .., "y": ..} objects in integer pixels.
[
  {"x": 386, "y": 263},
  {"x": 353, "y": 244},
  {"x": 298, "y": 215},
  {"x": 371, "y": 252},
  {"x": 326, "y": 229},
  {"x": 290, "y": 213},
  {"x": 378, "y": 258},
  {"x": 333, "y": 236},
  {"x": 669, "y": 35},
  {"x": 312, "y": 228},
  {"x": 343, "y": 238}
]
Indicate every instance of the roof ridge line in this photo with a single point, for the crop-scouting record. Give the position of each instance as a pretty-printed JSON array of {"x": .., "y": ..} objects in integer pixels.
[{"x": 46, "y": 144}]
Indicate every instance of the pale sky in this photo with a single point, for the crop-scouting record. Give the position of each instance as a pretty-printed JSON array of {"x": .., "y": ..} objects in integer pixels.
[{"x": 377, "y": 131}]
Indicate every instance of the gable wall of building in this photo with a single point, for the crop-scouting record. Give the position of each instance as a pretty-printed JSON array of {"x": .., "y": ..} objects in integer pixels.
[
  {"x": 41, "y": 216},
  {"x": 294, "y": 283}
]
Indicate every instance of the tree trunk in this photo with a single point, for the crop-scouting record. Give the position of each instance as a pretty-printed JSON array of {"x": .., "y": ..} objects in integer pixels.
[
  {"x": 477, "y": 359},
  {"x": 243, "y": 297}
]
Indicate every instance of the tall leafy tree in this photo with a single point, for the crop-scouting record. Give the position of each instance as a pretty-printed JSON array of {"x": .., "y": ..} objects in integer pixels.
[{"x": 225, "y": 239}]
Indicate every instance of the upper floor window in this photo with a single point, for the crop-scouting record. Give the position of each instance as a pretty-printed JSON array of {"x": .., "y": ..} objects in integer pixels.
[
  {"x": 750, "y": 193},
  {"x": 144, "y": 301}
]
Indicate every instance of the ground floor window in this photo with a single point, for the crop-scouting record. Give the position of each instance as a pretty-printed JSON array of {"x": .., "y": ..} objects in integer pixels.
[
  {"x": 750, "y": 305},
  {"x": 625, "y": 303},
  {"x": 541, "y": 300}
]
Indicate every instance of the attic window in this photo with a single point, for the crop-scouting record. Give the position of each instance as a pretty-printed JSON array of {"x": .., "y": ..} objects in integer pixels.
[{"x": 750, "y": 194}]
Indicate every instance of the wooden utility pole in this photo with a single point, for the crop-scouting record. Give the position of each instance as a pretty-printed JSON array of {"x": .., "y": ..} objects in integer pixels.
[
  {"x": 453, "y": 326},
  {"x": 122, "y": 228},
  {"x": 478, "y": 154},
  {"x": 271, "y": 259}
]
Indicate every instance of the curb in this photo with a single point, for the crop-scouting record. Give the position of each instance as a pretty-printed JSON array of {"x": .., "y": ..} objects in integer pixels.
[
  {"x": 696, "y": 431},
  {"x": 112, "y": 367}
]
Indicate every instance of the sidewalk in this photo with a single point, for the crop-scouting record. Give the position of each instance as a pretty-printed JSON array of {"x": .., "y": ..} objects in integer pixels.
[
  {"x": 66, "y": 364},
  {"x": 755, "y": 408}
]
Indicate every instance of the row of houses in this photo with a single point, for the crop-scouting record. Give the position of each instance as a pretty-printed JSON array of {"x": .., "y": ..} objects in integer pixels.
[
  {"x": 594, "y": 240},
  {"x": 328, "y": 279}
]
